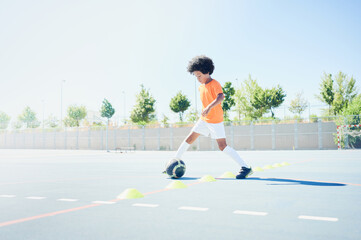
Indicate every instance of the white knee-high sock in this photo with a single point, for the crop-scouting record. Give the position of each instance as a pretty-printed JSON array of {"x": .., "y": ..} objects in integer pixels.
[
  {"x": 233, "y": 154},
  {"x": 182, "y": 148}
]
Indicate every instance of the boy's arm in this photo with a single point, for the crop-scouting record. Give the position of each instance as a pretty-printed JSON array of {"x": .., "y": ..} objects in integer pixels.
[{"x": 216, "y": 101}]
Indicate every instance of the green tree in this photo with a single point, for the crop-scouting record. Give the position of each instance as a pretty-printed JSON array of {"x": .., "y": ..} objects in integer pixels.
[
  {"x": 75, "y": 115},
  {"x": 69, "y": 122},
  {"x": 252, "y": 101},
  {"x": 298, "y": 104},
  {"x": 52, "y": 121},
  {"x": 165, "y": 120},
  {"x": 98, "y": 124},
  {"x": 179, "y": 104},
  {"x": 17, "y": 125},
  {"x": 4, "y": 120},
  {"x": 345, "y": 92},
  {"x": 228, "y": 101},
  {"x": 278, "y": 97},
  {"x": 353, "y": 111},
  {"x": 265, "y": 100},
  {"x": 337, "y": 93},
  {"x": 327, "y": 94},
  {"x": 107, "y": 109},
  {"x": 192, "y": 116},
  {"x": 28, "y": 117},
  {"x": 260, "y": 101},
  {"x": 351, "y": 116},
  {"x": 143, "y": 111},
  {"x": 243, "y": 97}
]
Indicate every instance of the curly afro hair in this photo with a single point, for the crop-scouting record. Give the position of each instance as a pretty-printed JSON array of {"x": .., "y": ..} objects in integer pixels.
[{"x": 201, "y": 63}]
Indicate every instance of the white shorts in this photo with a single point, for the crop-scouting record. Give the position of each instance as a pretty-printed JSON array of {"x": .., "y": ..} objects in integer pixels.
[{"x": 216, "y": 130}]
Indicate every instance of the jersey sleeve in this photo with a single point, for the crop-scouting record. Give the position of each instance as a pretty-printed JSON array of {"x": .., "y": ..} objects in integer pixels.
[{"x": 217, "y": 88}]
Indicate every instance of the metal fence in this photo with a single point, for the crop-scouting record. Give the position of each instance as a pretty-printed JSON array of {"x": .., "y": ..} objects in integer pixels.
[{"x": 317, "y": 133}]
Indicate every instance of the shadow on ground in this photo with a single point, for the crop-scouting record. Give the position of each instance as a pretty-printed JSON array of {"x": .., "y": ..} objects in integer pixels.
[
  {"x": 287, "y": 181},
  {"x": 185, "y": 178}
]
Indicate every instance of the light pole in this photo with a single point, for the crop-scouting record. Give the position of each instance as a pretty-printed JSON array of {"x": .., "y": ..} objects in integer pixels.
[
  {"x": 61, "y": 104},
  {"x": 43, "y": 112},
  {"x": 195, "y": 94},
  {"x": 124, "y": 99}
]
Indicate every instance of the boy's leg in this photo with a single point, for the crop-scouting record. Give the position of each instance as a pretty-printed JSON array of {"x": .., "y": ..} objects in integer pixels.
[
  {"x": 186, "y": 143},
  {"x": 230, "y": 152}
]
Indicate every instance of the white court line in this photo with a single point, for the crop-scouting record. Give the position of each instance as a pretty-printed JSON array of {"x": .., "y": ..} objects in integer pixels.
[
  {"x": 250, "y": 213},
  {"x": 67, "y": 200},
  {"x": 330, "y": 219},
  {"x": 103, "y": 202},
  {"x": 36, "y": 198},
  {"x": 7, "y": 196},
  {"x": 193, "y": 208},
  {"x": 145, "y": 205}
]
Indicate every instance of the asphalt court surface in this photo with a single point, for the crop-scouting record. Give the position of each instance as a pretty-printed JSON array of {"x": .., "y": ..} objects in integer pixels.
[{"x": 55, "y": 194}]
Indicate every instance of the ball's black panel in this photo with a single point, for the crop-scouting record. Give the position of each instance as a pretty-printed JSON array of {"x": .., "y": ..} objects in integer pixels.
[
  {"x": 176, "y": 168},
  {"x": 179, "y": 172}
]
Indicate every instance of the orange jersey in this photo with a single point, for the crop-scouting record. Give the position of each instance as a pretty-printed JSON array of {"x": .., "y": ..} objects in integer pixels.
[{"x": 208, "y": 93}]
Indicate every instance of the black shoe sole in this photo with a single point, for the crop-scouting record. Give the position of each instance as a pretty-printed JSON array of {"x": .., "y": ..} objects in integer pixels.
[{"x": 249, "y": 174}]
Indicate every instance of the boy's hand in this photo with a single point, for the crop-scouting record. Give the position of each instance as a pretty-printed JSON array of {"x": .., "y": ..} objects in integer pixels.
[
  {"x": 216, "y": 101},
  {"x": 205, "y": 111}
]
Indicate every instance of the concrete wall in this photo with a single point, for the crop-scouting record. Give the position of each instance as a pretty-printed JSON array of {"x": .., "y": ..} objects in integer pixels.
[{"x": 317, "y": 135}]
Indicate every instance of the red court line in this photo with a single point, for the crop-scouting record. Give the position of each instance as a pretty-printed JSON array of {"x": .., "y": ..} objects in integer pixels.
[
  {"x": 195, "y": 183},
  {"x": 50, "y": 181},
  {"x": 46, "y": 215},
  {"x": 76, "y": 209},
  {"x": 74, "y": 179},
  {"x": 157, "y": 191}
]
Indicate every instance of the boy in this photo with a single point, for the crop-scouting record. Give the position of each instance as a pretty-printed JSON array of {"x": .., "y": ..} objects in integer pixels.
[{"x": 211, "y": 121}]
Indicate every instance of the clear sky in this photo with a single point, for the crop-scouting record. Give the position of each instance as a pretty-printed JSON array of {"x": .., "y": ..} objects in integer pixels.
[{"x": 106, "y": 49}]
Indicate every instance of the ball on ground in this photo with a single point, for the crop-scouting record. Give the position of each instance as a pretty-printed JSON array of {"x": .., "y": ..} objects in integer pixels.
[{"x": 175, "y": 168}]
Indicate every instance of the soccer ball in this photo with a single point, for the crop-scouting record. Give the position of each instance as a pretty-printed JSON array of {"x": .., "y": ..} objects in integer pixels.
[{"x": 175, "y": 168}]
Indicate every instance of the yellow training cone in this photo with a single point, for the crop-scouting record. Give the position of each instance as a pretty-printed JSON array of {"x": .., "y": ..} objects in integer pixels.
[
  {"x": 228, "y": 175},
  {"x": 276, "y": 165},
  {"x": 130, "y": 193},
  {"x": 268, "y": 167},
  {"x": 258, "y": 169},
  {"x": 207, "y": 178},
  {"x": 176, "y": 184},
  {"x": 285, "y": 164}
]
